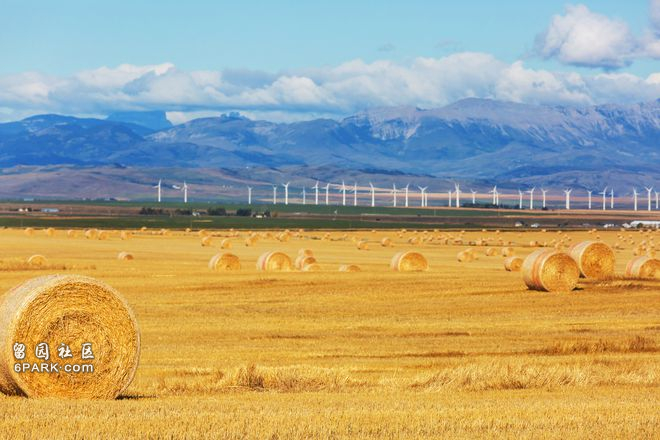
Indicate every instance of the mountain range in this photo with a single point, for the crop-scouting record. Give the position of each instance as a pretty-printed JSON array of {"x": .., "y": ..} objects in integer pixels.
[{"x": 476, "y": 141}]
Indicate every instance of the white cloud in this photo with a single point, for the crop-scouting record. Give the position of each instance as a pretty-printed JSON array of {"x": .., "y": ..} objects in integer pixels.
[
  {"x": 333, "y": 91},
  {"x": 585, "y": 38}
]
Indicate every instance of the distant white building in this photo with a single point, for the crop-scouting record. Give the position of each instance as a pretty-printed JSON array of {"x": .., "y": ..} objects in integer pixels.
[{"x": 643, "y": 224}]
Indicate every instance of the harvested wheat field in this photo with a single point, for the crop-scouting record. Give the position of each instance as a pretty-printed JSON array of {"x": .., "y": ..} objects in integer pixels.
[{"x": 454, "y": 351}]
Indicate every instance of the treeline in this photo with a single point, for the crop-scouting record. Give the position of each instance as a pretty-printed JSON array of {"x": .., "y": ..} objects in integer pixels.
[{"x": 216, "y": 211}]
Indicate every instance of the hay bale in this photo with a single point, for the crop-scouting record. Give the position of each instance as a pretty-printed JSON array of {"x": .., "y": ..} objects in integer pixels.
[
  {"x": 508, "y": 252},
  {"x": 274, "y": 261},
  {"x": 91, "y": 234},
  {"x": 71, "y": 233},
  {"x": 125, "y": 256},
  {"x": 550, "y": 270},
  {"x": 37, "y": 260},
  {"x": 362, "y": 245},
  {"x": 465, "y": 256},
  {"x": 491, "y": 252},
  {"x": 513, "y": 264},
  {"x": 313, "y": 267},
  {"x": 74, "y": 310},
  {"x": 50, "y": 232},
  {"x": 306, "y": 252},
  {"x": 224, "y": 261},
  {"x": 102, "y": 235},
  {"x": 125, "y": 235},
  {"x": 643, "y": 267},
  {"x": 386, "y": 242},
  {"x": 409, "y": 261},
  {"x": 225, "y": 244},
  {"x": 533, "y": 243},
  {"x": 206, "y": 241},
  {"x": 413, "y": 240},
  {"x": 28, "y": 232},
  {"x": 595, "y": 259},
  {"x": 349, "y": 268},
  {"x": 251, "y": 241},
  {"x": 302, "y": 260}
]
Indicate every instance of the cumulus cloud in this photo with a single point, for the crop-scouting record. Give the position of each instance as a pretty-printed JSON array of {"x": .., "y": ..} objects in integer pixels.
[
  {"x": 585, "y": 38},
  {"x": 333, "y": 91}
]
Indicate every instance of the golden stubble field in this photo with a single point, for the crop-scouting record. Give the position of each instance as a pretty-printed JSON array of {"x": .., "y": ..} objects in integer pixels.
[{"x": 463, "y": 350}]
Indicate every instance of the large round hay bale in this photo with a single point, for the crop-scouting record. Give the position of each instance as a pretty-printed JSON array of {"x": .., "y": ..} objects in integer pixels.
[
  {"x": 643, "y": 267},
  {"x": 274, "y": 261},
  {"x": 125, "y": 256},
  {"x": 513, "y": 264},
  {"x": 102, "y": 235},
  {"x": 37, "y": 260},
  {"x": 225, "y": 261},
  {"x": 508, "y": 251},
  {"x": 50, "y": 232},
  {"x": 28, "y": 232},
  {"x": 491, "y": 252},
  {"x": 595, "y": 259},
  {"x": 349, "y": 268},
  {"x": 91, "y": 234},
  {"x": 305, "y": 252},
  {"x": 225, "y": 244},
  {"x": 71, "y": 233},
  {"x": 206, "y": 241},
  {"x": 386, "y": 242},
  {"x": 303, "y": 260},
  {"x": 251, "y": 241},
  {"x": 409, "y": 261},
  {"x": 312, "y": 267},
  {"x": 550, "y": 270},
  {"x": 87, "y": 315},
  {"x": 362, "y": 245},
  {"x": 125, "y": 235},
  {"x": 465, "y": 256}
]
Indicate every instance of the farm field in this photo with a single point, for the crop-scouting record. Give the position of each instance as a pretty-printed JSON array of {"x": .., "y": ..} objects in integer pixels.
[{"x": 462, "y": 350}]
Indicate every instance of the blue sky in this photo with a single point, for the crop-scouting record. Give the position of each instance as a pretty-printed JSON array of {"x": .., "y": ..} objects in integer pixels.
[{"x": 45, "y": 46}]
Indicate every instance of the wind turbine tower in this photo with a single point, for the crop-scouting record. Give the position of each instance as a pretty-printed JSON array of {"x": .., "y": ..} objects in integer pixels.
[
  {"x": 355, "y": 194},
  {"x": 544, "y": 191},
  {"x": 589, "y": 194},
  {"x": 159, "y": 186},
  {"x": 249, "y": 195},
  {"x": 604, "y": 193},
  {"x": 520, "y": 196},
  {"x": 423, "y": 196},
  {"x": 286, "y": 192},
  {"x": 568, "y": 198},
  {"x": 343, "y": 193},
  {"x": 304, "y": 196},
  {"x": 406, "y": 192},
  {"x": 612, "y": 198},
  {"x": 373, "y": 195},
  {"x": 635, "y": 198},
  {"x": 394, "y": 191},
  {"x": 474, "y": 197},
  {"x": 458, "y": 195},
  {"x": 327, "y": 194},
  {"x": 531, "y": 197},
  {"x": 494, "y": 192},
  {"x": 449, "y": 195},
  {"x": 274, "y": 194}
]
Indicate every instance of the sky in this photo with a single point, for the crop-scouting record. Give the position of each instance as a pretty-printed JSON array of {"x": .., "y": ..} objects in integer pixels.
[{"x": 292, "y": 60}]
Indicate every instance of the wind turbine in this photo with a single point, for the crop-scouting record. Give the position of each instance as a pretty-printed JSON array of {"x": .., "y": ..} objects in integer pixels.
[
  {"x": 355, "y": 194},
  {"x": 656, "y": 200},
  {"x": 394, "y": 191},
  {"x": 406, "y": 192},
  {"x": 449, "y": 194},
  {"x": 423, "y": 196},
  {"x": 568, "y": 198},
  {"x": 544, "y": 191},
  {"x": 635, "y": 198},
  {"x": 520, "y": 195},
  {"x": 589, "y": 193},
  {"x": 304, "y": 196},
  {"x": 612, "y": 198},
  {"x": 342, "y": 189},
  {"x": 648, "y": 190},
  {"x": 286, "y": 192},
  {"x": 316, "y": 192},
  {"x": 249, "y": 195},
  {"x": 458, "y": 195},
  {"x": 531, "y": 197},
  {"x": 274, "y": 194},
  {"x": 327, "y": 194},
  {"x": 494, "y": 192},
  {"x": 474, "y": 197},
  {"x": 604, "y": 193},
  {"x": 185, "y": 192},
  {"x": 373, "y": 195},
  {"x": 160, "y": 181}
]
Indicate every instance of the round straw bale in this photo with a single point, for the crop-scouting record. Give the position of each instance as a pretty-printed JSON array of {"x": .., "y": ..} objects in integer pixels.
[
  {"x": 409, "y": 261},
  {"x": 71, "y": 233},
  {"x": 125, "y": 235},
  {"x": 37, "y": 260},
  {"x": 126, "y": 256},
  {"x": 202, "y": 233},
  {"x": 72, "y": 310},
  {"x": 386, "y": 242},
  {"x": 513, "y": 264},
  {"x": 533, "y": 243},
  {"x": 491, "y": 252},
  {"x": 274, "y": 261},
  {"x": 312, "y": 267},
  {"x": 413, "y": 240},
  {"x": 508, "y": 251},
  {"x": 643, "y": 267},
  {"x": 305, "y": 252},
  {"x": 50, "y": 232},
  {"x": 206, "y": 240},
  {"x": 363, "y": 245},
  {"x": 225, "y": 244},
  {"x": 550, "y": 270},
  {"x": 29, "y": 232},
  {"x": 595, "y": 259},
  {"x": 91, "y": 234},
  {"x": 225, "y": 261},
  {"x": 465, "y": 256},
  {"x": 303, "y": 260},
  {"x": 349, "y": 268},
  {"x": 251, "y": 241},
  {"x": 102, "y": 235}
]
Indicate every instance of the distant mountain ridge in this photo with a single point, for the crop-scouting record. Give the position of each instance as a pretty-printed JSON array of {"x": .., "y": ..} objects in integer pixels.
[{"x": 472, "y": 139}]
